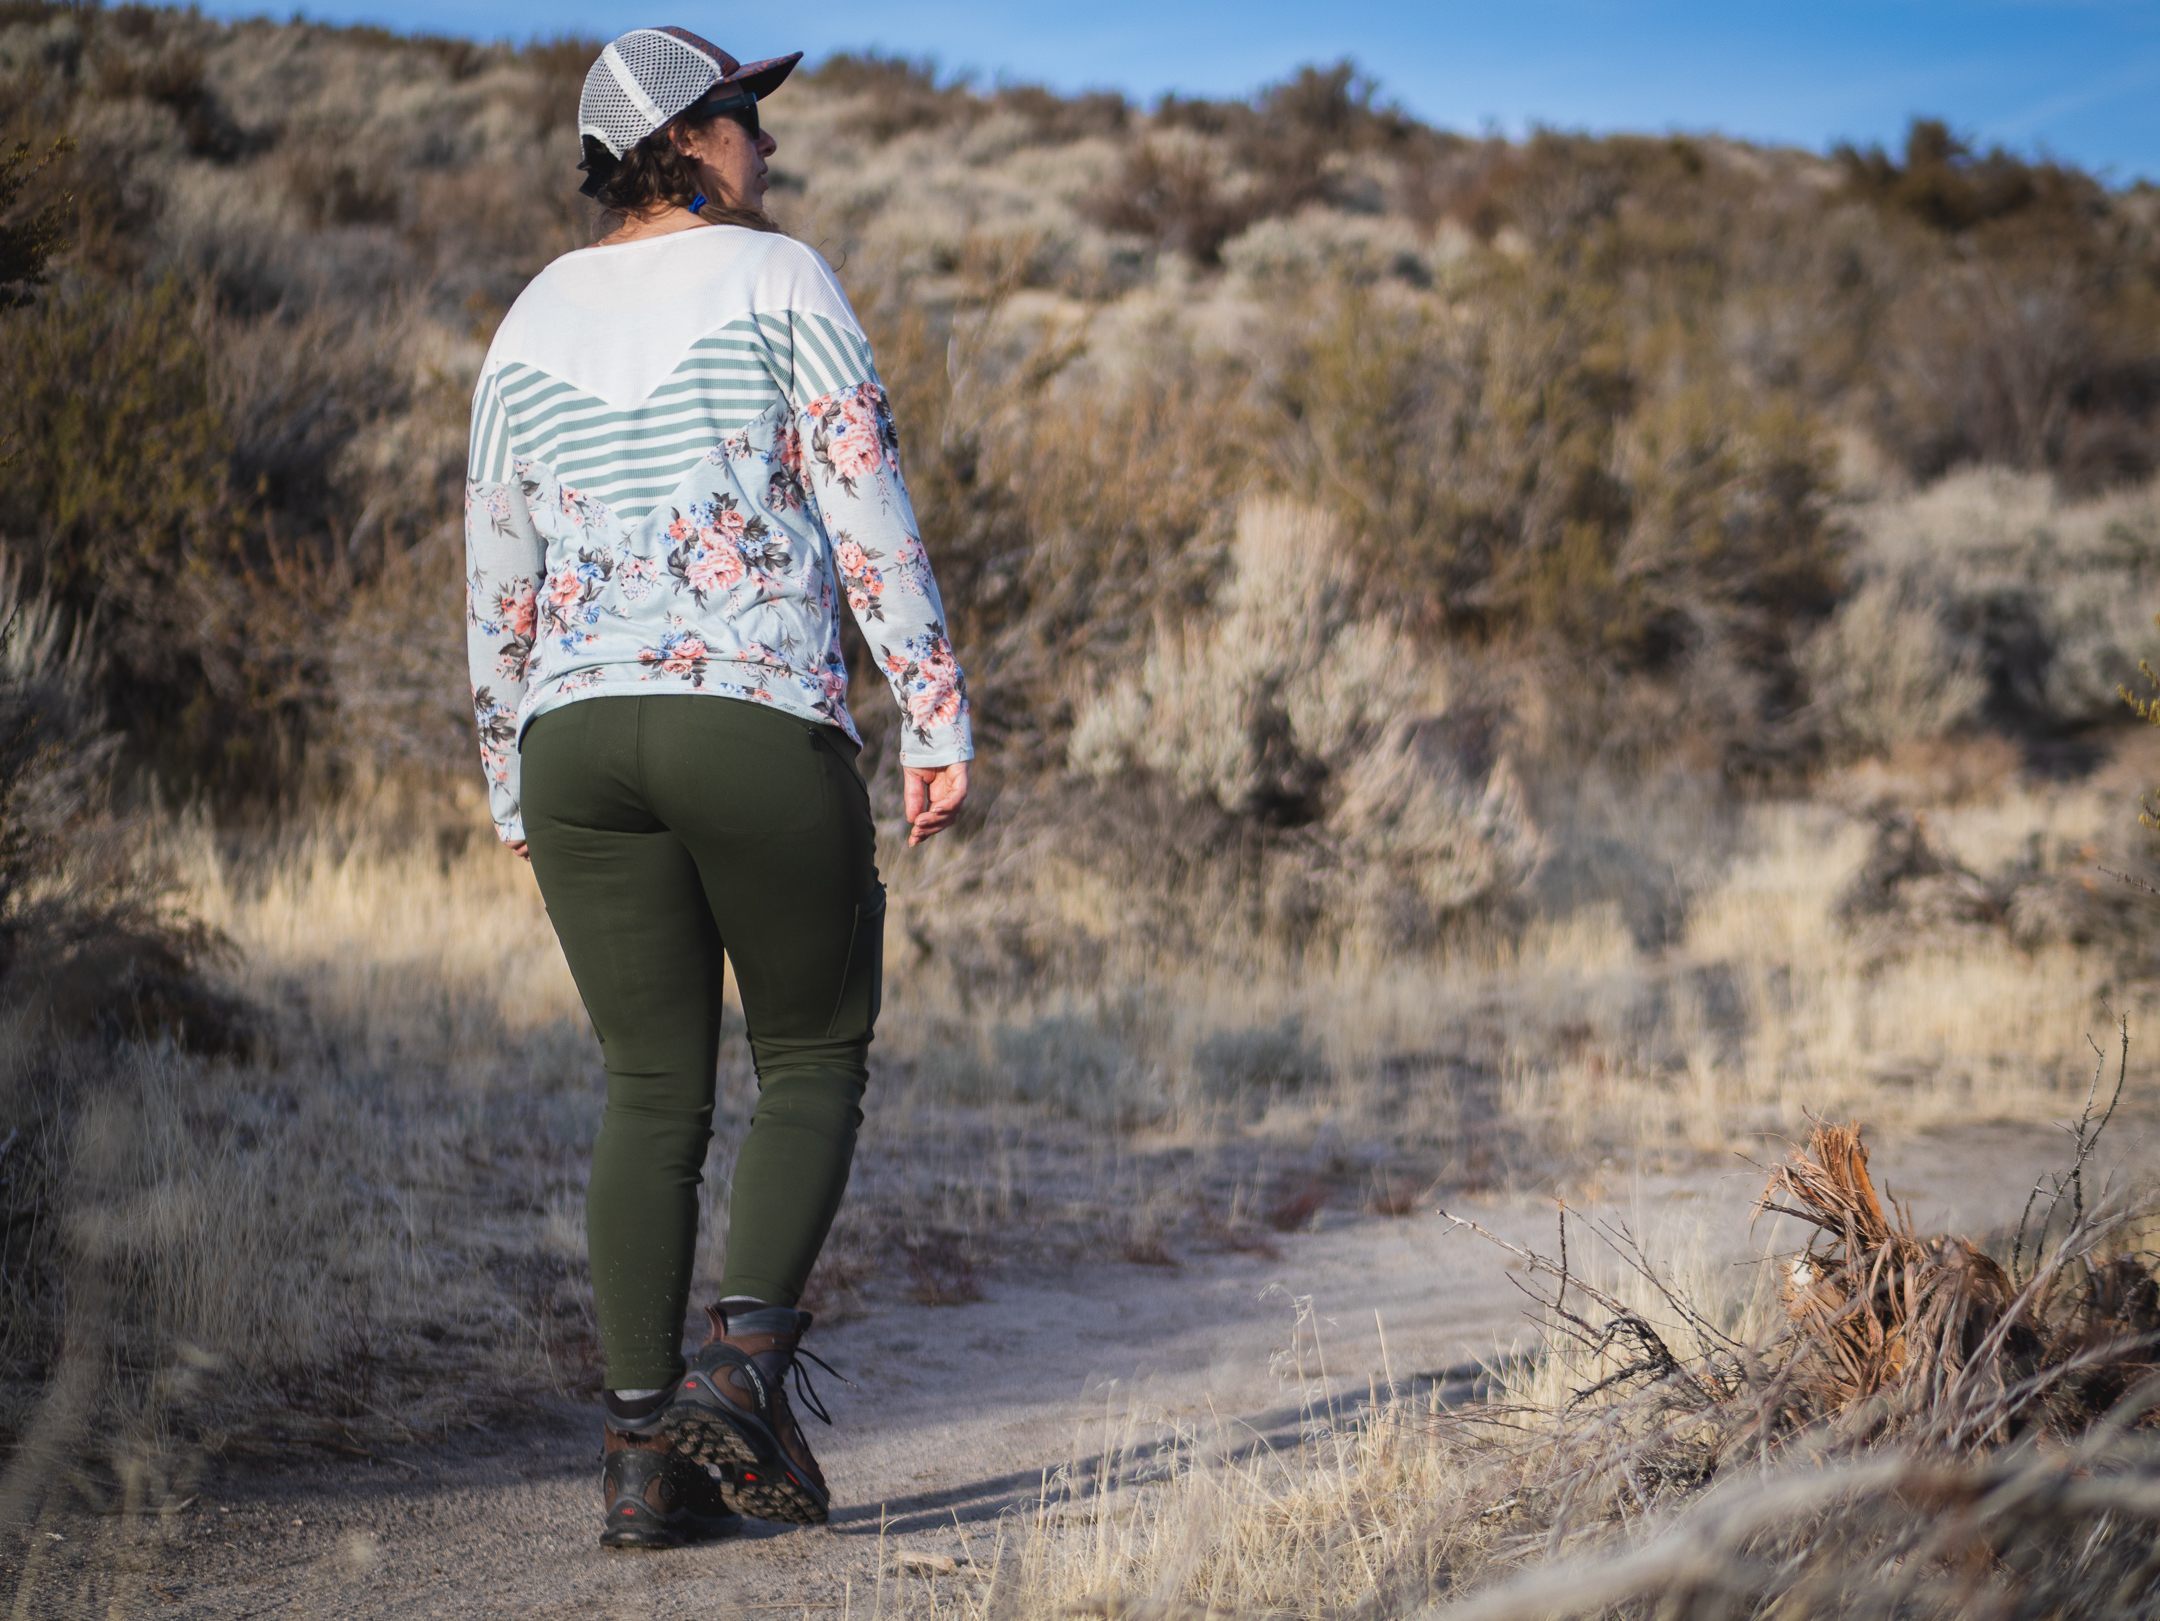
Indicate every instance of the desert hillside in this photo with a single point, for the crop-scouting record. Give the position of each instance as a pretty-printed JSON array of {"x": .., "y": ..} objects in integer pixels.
[{"x": 1499, "y": 665}]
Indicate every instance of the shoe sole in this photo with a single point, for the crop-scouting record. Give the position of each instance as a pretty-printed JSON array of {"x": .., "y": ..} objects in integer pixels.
[
  {"x": 761, "y": 1481},
  {"x": 657, "y": 1539}
]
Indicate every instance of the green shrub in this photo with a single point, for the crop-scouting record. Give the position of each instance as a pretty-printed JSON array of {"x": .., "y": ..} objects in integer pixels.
[
  {"x": 92, "y": 938},
  {"x": 1262, "y": 1058},
  {"x": 28, "y": 237},
  {"x": 1567, "y": 402}
]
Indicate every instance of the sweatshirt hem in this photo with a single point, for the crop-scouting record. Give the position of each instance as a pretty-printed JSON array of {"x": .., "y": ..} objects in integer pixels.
[{"x": 737, "y": 681}]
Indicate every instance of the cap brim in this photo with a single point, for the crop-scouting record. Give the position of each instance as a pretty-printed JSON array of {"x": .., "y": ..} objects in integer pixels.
[{"x": 761, "y": 79}]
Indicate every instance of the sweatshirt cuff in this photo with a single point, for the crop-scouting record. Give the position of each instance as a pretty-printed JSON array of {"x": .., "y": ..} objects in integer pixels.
[{"x": 950, "y": 754}]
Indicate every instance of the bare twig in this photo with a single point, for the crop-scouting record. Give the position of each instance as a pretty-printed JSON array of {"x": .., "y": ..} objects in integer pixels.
[
  {"x": 2124, "y": 878},
  {"x": 2086, "y": 1138}
]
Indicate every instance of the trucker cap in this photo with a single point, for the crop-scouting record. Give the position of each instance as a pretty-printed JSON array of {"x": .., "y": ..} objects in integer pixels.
[{"x": 647, "y": 76}]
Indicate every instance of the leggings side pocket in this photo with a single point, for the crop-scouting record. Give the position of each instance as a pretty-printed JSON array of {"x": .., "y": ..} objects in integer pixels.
[{"x": 862, "y": 986}]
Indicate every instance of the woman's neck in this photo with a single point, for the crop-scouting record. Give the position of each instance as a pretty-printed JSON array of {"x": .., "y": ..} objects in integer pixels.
[{"x": 665, "y": 220}]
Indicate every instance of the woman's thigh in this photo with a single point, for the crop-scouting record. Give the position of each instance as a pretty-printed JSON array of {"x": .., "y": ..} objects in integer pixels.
[
  {"x": 624, "y": 895},
  {"x": 777, "y": 820}
]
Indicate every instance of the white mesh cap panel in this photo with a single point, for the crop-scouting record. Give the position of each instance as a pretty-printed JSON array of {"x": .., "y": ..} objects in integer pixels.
[
  {"x": 607, "y": 111},
  {"x": 640, "y": 82}
]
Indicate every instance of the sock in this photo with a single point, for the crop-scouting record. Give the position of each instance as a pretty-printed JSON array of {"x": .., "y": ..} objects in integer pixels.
[
  {"x": 632, "y": 1405},
  {"x": 746, "y": 1316}
]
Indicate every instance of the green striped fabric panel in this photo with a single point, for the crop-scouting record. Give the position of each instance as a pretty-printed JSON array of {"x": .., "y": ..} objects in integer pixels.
[
  {"x": 488, "y": 457},
  {"x": 814, "y": 355},
  {"x": 630, "y": 458}
]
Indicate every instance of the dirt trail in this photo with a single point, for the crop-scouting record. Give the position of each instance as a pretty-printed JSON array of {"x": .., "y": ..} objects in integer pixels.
[{"x": 957, "y": 1414}]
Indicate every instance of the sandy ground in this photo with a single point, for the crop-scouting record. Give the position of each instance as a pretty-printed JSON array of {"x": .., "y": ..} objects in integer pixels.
[{"x": 958, "y": 1416}]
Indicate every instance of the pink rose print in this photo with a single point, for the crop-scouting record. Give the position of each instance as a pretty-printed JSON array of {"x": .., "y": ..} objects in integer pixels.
[
  {"x": 713, "y": 568},
  {"x": 682, "y": 653},
  {"x": 852, "y": 434},
  {"x": 859, "y": 574},
  {"x": 518, "y": 610}
]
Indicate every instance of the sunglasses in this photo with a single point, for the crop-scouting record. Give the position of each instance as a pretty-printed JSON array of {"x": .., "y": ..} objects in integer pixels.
[{"x": 738, "y": 105}]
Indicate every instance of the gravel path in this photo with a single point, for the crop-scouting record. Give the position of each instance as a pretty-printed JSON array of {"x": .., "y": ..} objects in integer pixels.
[{"x": 957, "y": 1416}]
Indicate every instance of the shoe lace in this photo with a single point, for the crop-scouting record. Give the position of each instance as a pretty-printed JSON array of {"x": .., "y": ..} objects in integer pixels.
[{"x": 805, "y": 1392}]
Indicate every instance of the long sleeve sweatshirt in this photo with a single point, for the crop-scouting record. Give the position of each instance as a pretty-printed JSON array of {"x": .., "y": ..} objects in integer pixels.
[{"x": 682, "y": 458}]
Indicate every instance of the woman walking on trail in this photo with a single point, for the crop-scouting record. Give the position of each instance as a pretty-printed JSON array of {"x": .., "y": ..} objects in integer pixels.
[{"x": 682, "y": 458}]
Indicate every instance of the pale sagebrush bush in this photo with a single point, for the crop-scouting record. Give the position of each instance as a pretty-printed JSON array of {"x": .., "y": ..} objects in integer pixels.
[
  {"x": 1263, "y": 1059},
  {"x": 1517, "y": 439},
  {"x": 1078, "y": 1066},
  {"x": 93, "y": 934},
  {"x": 1284, "y": 635},
  {"x": 1359, "y": 249},
  {"x": 2048, "y": 599},
  {"x": 1888, "y": 669},
  {"x": 1283, "y": 705}
]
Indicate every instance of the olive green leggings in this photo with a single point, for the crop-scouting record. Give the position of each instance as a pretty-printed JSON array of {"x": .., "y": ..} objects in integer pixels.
[{"x": 665, "y": 831}]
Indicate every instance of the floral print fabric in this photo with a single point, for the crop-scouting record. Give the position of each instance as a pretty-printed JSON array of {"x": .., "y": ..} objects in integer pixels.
[{"x": 731, "y": 586}]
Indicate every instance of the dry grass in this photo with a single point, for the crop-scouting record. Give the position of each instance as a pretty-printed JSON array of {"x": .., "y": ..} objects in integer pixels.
[
  {"x": 1882, "y": 1425},
  {"x": 1448, "y": 722},
  {"x": 430, "y": 1056}
]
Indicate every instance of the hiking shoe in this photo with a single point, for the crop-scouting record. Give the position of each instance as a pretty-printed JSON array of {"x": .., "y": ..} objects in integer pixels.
[
  {"x": 656, "y": 1497},
  {"x": 730, "y": 1412}
]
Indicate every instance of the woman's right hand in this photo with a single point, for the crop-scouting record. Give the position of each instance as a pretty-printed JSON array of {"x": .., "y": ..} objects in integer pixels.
[
  {"x": 519, "y": 848},
  {"x": 932, "y": 798}
]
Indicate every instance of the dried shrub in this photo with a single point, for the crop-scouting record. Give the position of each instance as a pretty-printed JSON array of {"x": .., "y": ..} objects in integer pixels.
[
  {"x": 334, "y": 190},
  {"x": 1264, "y": 159},
  {"x": 94, "y": 939},
  {"x": 1080, "y": 1067},
  {"x": 29, "y": 237},
  {"x": 1296, "y": 1202},
  {"x": 1056, "y": 120},
  {"x": 895, "y": 95},
  {"x": 1769, "y": 1442},
  {"x": 121, "y": 499},
  {"x": 1502, "y": 479},
  {"x": 1947, "y": 185},
  {"x": 1061, "y": 515},
  {"x": 1266, "y": 1058},
  {"x": 171, "y": 76},
  {"x": 1884, "y": 1333},
  {"x": 1176, "y": 198},
  {"x": 1371, "y": 811},
  {"x": 1877, "y": 1307},
  {"x": 1909, "y": 895},
  {"x": 1935, "y": 1333},
  {"x": 2032, "y": 344},
  {"x": 2045, "y": 598},
  {"x": 940, "y": 1266},
  {"x": 1888, "y": 669}
]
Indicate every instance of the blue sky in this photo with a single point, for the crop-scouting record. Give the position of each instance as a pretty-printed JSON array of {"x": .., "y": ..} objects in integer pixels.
[{"x": 2076, "y": 78}]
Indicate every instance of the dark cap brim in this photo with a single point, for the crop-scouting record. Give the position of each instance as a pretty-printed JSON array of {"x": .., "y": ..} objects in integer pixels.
[{"x": 761, "y": 79}]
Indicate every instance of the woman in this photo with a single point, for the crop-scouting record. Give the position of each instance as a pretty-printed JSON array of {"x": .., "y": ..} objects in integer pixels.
[{"x": 682, "y": 459}]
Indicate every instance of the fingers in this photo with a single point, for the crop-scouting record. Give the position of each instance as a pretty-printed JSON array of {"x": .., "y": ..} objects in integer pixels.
[
  {"x": 521, "y": 850},
  {"x": 934, "y": 798},
  {"x": 932, "y": 821},
  {"x": 950, "y": 790}
]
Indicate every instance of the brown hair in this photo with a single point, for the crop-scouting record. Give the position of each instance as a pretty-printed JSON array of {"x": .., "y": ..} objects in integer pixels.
[{"x": 653, "y": 172}]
